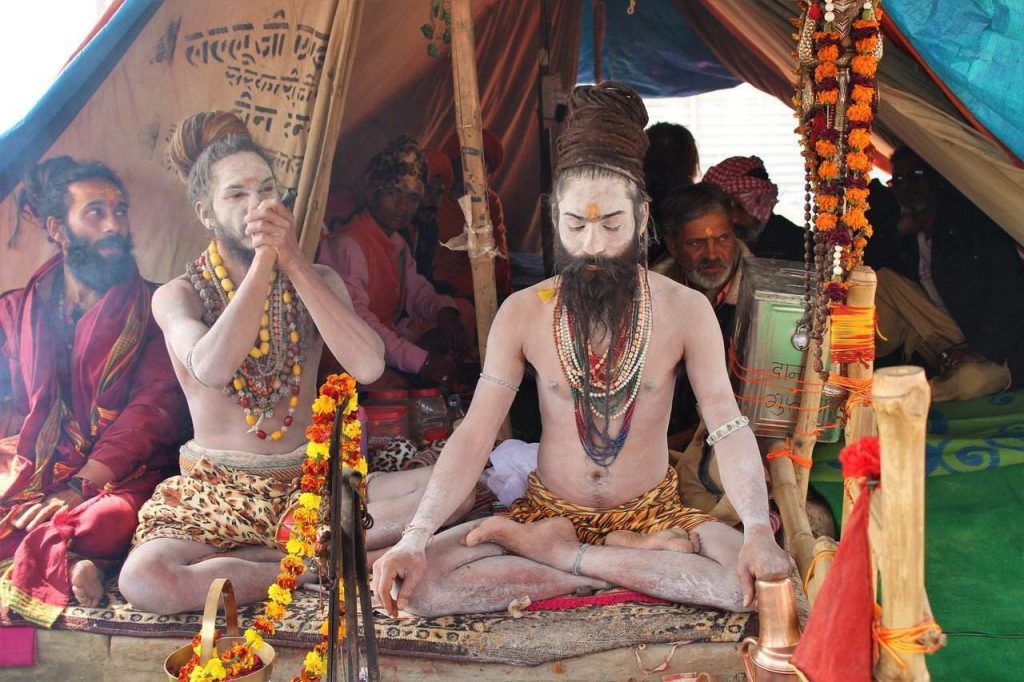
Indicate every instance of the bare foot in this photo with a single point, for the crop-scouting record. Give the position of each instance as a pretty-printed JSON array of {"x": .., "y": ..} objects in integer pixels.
[
  {"x": 87, "y": 583},
  {"x": 671, "y": 539},
  {"x": 552, "y": 542}
]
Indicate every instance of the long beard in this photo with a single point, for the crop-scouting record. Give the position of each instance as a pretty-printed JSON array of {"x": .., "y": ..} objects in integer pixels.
[
  {"x": 94, "y": 270},
  {"x": 599, "y": 291}
]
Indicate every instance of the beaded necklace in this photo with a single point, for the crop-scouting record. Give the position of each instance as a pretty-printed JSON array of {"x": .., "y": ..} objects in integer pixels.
[
  {"x": 604, "y": 387},
  {"x": 273, "y": 367}
]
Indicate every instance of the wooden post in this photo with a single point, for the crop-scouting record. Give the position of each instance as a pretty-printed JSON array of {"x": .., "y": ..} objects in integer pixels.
[
  {"x": 860, "y": 420},
  {"x": 790, "y": 500},
  {"x": 480, "y": 239},
  {"x": 804, "y": 433},
  {"x": 826, "y": 547},
  {"x": 479, "y": 234},
  {"x": 901, "y": 397},
  {"x": 325, "y": 124}
]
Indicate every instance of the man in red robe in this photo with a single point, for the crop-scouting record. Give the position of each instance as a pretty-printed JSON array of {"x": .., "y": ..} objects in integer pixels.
[{"x": 90, "y": 409}]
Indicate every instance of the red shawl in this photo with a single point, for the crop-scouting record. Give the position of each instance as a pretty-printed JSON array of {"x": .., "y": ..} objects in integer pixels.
[
  {"x": 59, "y": 430},
  {"x": 125, "y": 409}
]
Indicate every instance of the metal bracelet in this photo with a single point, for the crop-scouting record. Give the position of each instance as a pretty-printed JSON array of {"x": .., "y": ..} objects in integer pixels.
[
  {"x": 416, "y": 528},
  {"x": 191, "y": 370},
  {"x": 500, "y": 382},
  {"x": 579, "y": 558},
  {"x": 727, "y": 428}
]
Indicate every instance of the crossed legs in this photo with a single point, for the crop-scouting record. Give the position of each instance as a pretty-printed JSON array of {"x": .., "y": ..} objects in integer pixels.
[
  {"x": 467, "y": 571},
  {"x": 169, "y": 575}
]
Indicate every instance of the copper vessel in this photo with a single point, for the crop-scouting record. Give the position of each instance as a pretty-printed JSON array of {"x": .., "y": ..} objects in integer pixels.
[{"x": 766, "y": 657}]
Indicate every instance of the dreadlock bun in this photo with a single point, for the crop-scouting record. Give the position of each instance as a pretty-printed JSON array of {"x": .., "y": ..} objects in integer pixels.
[
  {"x": 605, "y": 129},
  {"x": 199, "y": 131}
]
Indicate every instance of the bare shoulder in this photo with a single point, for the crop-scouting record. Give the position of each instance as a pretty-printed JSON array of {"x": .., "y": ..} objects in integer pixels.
[
  {"x": 174, "y": 299},
  {"x": 683, "y": 300}
]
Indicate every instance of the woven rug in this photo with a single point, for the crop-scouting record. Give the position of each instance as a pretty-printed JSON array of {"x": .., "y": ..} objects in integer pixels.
[{"x": 534, "y": 638}]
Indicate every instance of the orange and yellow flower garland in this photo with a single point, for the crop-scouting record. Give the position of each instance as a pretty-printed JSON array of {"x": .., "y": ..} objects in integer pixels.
[
  {"x": 840, "y": 178},
  {"x": 338, "y": 391}
]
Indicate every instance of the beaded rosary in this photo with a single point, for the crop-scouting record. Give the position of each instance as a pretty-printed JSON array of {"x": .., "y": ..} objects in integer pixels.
[
  {"x": 604, "y": 387},
  {"x": 273, "y": 367}
]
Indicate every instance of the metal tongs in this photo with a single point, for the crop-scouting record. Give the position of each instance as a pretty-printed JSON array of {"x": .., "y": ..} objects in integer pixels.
[{"x": 348, "y": 524}]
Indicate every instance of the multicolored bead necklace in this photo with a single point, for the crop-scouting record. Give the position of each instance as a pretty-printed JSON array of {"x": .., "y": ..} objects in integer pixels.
[
  {"x": 605, "y": 387},
  {"x": 273, "y": 367}
]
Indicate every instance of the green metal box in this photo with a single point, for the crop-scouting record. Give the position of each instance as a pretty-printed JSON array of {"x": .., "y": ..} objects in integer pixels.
[{"x": 766, "y": 367}]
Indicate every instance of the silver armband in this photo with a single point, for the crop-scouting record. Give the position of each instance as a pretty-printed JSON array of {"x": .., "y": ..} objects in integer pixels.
[
  {"x": 727, "y": 428},
  {"x": 191, "y": 370},
  {"x": 501, "y": 382}
]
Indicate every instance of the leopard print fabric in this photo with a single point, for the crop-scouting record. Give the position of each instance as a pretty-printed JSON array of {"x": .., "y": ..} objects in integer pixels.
[
  {"x": 217, "y": 506},
  {"x": 657, "y": 509}
]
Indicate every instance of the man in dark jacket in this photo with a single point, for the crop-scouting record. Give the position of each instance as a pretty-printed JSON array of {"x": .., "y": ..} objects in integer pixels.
[{"x": 962, "y": 313}]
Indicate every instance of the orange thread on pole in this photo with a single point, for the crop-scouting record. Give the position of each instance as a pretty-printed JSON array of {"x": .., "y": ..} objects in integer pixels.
[
  {"x": 853, "y": 334},
  {"x": 787, "y": 451},
  {"x": 820, "y": 556},
  {"x": 860, "y": 389},
  {"x": 924, "y": 638}
]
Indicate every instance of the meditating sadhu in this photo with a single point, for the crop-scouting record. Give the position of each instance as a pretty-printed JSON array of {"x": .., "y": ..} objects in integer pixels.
[
  {"x": 605, "y": 338},
  {"x": 90, "y": 411},
  {"x": 227, "y": 514}
]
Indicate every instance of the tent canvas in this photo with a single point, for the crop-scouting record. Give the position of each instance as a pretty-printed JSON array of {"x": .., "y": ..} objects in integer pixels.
[{"x": 156, "y": 61}]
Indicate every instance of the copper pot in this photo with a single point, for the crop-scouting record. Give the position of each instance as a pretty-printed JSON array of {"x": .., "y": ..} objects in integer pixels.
[{"x": 766, "y": 657}]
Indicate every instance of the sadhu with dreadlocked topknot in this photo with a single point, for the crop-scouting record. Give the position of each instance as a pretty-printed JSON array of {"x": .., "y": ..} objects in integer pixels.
[{"x": 606, "y": 339}]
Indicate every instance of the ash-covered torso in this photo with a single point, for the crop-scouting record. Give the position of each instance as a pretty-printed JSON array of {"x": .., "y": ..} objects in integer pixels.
[
  {"x": 564, "y": 466},
  {"x": 218, "y": 417}
]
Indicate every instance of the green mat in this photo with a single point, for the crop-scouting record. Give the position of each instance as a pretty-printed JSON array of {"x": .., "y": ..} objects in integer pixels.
[
  {"x": 968, "y": 437},
  {"x": 974, "y": 535}
]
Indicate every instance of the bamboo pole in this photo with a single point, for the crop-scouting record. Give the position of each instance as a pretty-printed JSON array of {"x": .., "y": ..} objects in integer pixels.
[
  {"x": 901, "y": 397},
  {"x": 805, "y": 431},
  {"x": 826, "y": 548},
  {"x": 325, "y": 126},
  {"x": 790, "y": 500},
  {"x": 860, "y": 420},
  {"x": 479, "y": 235}
]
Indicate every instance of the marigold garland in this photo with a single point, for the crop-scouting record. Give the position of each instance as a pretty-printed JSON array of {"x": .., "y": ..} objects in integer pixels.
[{"x": 338, "y": 390}]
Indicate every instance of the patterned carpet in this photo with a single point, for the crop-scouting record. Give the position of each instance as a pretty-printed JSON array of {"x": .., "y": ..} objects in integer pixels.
[{"x": 534, "y": 638}]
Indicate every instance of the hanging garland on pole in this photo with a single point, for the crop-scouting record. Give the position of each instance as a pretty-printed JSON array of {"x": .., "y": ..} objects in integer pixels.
[{"x": 838, "y": 47}]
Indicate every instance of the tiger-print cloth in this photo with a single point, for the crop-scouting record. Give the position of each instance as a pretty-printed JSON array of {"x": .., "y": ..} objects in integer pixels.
[
  {"x": 220, "y": 505},
  {"x": 657, "y": 509}
]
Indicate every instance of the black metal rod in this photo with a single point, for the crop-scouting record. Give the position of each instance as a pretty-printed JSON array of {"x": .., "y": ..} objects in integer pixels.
[
  {"x": 363, "y": 579},
  {"x": 349, "y": 519},
  {"x": 334, "y": 491}
]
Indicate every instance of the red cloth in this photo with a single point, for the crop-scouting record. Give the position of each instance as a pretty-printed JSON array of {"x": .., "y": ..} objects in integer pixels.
[
  {"x": 604, "y": 599},
  {"x": 836, "y": 645},
  {"x": 452, "y": 267},
  {"x": 125, "y": 410}
]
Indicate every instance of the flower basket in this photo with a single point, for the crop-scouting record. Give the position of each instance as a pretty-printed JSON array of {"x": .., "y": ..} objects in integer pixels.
[{"x": 181, "y": 657}]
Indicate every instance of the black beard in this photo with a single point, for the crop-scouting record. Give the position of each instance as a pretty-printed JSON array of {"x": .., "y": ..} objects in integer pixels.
[
  {"x": 94, "y": 270},
  {"x": 599, "y": 291},
  {"x": 240, "y": 251}
]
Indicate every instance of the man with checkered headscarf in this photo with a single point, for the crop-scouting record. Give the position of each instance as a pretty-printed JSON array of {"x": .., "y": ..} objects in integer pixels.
[
  {"x": 423, "y": 332},
  {"x": 768, "y": 234}
]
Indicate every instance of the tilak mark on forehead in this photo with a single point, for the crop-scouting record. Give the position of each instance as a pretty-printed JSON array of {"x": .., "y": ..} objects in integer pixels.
[{"x": 593, "y": 212}]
